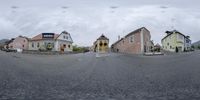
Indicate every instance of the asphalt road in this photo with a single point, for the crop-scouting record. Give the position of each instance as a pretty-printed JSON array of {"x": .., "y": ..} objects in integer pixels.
[{"x": 99, "y": 77}]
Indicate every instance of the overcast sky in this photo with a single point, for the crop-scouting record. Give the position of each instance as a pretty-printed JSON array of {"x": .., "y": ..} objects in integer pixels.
[{"x": 86, "y": 20}]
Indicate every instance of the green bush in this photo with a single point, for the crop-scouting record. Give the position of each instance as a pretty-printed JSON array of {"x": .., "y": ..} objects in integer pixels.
[
  {"x": 79, "y": 49},
  {"x": 198, "y": 47}
]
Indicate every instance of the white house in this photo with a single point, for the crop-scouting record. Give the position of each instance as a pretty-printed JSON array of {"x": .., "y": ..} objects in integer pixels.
[
  {"x": 52, "y": 42},
  {"x": 175, "y": 41}
]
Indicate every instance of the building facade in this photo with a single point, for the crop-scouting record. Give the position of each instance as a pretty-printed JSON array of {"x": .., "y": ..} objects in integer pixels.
[
  {"x": 136, "y": 42},
  {"x": 175, "y": 41},
  {"x": 157, "y": 48},
  {"x": 52, "y": 42},
  {"x": 101, "y": 45},
  {"x": 20, "y": 42}
]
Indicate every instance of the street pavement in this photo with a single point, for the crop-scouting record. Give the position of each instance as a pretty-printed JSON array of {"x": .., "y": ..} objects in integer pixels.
[{"x": 91, "y": 76}]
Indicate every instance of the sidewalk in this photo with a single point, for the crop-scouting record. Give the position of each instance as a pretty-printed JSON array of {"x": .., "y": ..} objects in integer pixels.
[{"x": 176, "y": 53}]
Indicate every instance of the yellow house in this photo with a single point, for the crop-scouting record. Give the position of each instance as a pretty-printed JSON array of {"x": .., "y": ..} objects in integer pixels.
[
  {"x": 175, "y": 41},
  {"x": 101, "y": 45}
]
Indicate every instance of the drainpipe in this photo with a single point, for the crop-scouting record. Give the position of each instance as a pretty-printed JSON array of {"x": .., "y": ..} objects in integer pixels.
[
  {"x": 142, "y": 40},
  {"x": 98, "y": 46}
]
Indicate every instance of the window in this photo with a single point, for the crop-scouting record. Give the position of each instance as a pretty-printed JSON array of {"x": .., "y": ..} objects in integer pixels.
[
  {"x": 64, "y": 45},
  {"x": 101, "y": 44},
  {"x": 131, "y": 39},
  {"x": 65, "y": 37},
  {"x": 38, "y": 44},
  {"x": 24, "y": 40},
  {"x": 180, "y": 37},
  {"x": 187, "y": 41},
  {"x": 105, "y": 44},
  {"x": 167, "y": 43},
  {"x": 69, "y": 46},
  {"x": 33, "y": 45},
  {"x": 23, "y": 46},
  {"x": 47, "y": 35}
]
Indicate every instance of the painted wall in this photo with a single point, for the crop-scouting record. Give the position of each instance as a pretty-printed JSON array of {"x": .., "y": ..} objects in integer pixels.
[
  {"x": 102, "y": 48},
  {"x": 40, "y": 44},
  {"x": 174, "y": 40},
  {"x": 56, "y": 45},
  {"x": 62, "y": 43},
  {"x": 169, "y": 43},
  {"x": 188, "y": 44},
  {"x": 146, "y": 41},
  {"x": 19, "y": 43},
  {"x": 132, "y": 46},
  {"x": 65, "y": 37},
  {"x": 135, "y": 43},
  {"x": 67, "y": 46}
]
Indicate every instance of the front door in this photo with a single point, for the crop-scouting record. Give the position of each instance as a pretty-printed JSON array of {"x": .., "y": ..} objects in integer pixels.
[
  {"x": 62, "y": 48},
  {"x": 179, "y": 49}
]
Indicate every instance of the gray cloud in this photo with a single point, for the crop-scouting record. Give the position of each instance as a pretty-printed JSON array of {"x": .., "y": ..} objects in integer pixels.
[
  {"x": 163, "y": 7},
  {"x": 87, "y": 20}
]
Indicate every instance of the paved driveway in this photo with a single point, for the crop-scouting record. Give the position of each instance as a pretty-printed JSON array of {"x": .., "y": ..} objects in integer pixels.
[{"x": 99, "y": 77}]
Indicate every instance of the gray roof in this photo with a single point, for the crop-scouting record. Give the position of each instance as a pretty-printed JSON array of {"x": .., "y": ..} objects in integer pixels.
[
  {"x": 102, "y": 37},
  {"x": 171, "y": 32},
  {"x": 135, "y": 31}
]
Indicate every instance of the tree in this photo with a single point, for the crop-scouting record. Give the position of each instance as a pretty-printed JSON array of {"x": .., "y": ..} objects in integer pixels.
[
  {"x": 78, "y": 49},
  {"x": 192, "y": 46},
  {"x": 199, "y": 47}
]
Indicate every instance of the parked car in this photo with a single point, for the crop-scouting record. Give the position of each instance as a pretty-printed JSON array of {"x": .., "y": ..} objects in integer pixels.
[
  {"x": 3, "y": 49},
  {"x": 11, "y": 50},
  {"x": 192, "y": 49}
]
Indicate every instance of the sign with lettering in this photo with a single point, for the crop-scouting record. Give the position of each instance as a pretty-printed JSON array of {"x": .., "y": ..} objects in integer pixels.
[{"x": 48, "y": 35}]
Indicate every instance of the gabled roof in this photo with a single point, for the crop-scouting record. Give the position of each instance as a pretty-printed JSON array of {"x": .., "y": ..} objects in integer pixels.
[
  {"x": 136, "y": 31},
  {"x": 8, "y": 42},
  {"x": 64, "y": 32},
  {"x": 133, "y": 32},
  {"x": 157, "y": 45},
  {"x": 102, "y": 37},
  {"x": 174, "y": 31},
  {"x": 24, "y": 37},
  {"x": 39, "y": 37},
  {"x": 118, "y": 41}
]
